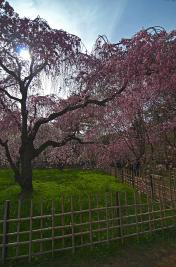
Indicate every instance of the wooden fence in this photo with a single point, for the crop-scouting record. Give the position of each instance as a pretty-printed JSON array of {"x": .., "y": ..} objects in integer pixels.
[
  {"x": 71, "y": 223},
  {"x": 155, "y": 186}
]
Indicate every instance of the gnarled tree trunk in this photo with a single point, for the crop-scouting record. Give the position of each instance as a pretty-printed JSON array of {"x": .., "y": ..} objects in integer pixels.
[
  {"x": 26, "y": 168},
  {"x": 26, "y": 173}
]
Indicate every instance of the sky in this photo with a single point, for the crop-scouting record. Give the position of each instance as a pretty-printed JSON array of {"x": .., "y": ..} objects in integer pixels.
[{"x": 89, "y": 18}]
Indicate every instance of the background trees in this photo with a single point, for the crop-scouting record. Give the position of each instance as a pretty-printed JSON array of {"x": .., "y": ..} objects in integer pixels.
[
  {"x": 114, "y": 97},
  {"x": 140, "y": 125}
]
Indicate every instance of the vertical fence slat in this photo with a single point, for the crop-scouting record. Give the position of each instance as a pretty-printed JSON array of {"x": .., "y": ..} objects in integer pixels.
[
  {"x": 81, "y": 218},
  {"x": 5, "y": 230},
  {"x": 120, "y": 217},
  {"x": 90, "y": 221},
  {"x": 126, "y": 212},
  {"x": 98, "y": 215},
  {"x": 149, "y": 214},
  {"x": 18, "y": 227},
  {"x": 107, "y": 217},
  {"x": 53, "y": 224},
  {"x": 111, "y": 214},
  {"x": 174, "y": 185},
  {"x": 30, "y": 230},
  {"x": 152, "y": 215},
  {"x": 72, "y": 225},
  {"x": 161, "y": 210},
  {"x": 164, "y": 206},
  {"x": 41, "y": 225},
  {"x": 141, "y": 212},
  {"x": 136, "y": 215},
  {"x": 62, "y": 220}
]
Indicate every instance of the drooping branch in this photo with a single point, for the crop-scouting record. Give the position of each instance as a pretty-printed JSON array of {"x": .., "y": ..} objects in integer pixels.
[
  {"x": 9, "y": 95},
  {"x": 9, "y": 158},
  {"x": 17, "y": 62},
  {"x": 54, "y": 144},
  {"x": 10, "y": 72},
  {"x": 33, "y": 73},
  {"x": 70, "y": 108}
]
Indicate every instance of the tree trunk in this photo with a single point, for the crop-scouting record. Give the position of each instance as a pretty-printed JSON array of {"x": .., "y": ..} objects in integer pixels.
[{"x": 26, "y": 173}]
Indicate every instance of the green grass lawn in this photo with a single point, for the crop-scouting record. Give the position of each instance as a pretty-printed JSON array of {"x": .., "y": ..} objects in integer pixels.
[{"x": 52, "y": 183}]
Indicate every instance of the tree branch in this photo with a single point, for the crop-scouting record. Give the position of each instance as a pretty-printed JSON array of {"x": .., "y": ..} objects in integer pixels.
[
  {"x": 10, "y": 72},
  {"x": 29, "y": 78},
  {"x": 70, "y": 108},
  {"x": 17, "y": 62},
  {"x": 59, "y": 144},
  {"x": 9, "y": 95},
  {"x": 9, "y": 158}
]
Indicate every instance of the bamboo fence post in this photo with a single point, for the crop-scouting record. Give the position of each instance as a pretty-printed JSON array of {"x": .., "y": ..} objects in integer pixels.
[
  {"x": 81, "y": 218},
  {"x": 41, "y": 225},
  {"x": 117, "y": 203},
  {"x": 5, "y": 230},
  {"x": 112, "y": 213},
  {"x": 152, "y": 215},
  {"x": 53, "y": 225},
  {"x": 30, "y": 231},
  {"x": 126, "y": 211},
  {"x": 162, "y": 189},
  {"x": 172, "y": 196},
  {"x": 161, "y": 211},
  {"x": 18, "y": 227},
  {"x": 90, "y": 221},
  {"x": 149, "y": 214},
  {"x": 163, "y": 196},
  {"x": 159, "y": 191},
  {"x": 97, "y": 205},
  {"x": 120, "y": 218},
  {"x": 107, "y": 217},
  {"x": 72, "y": 225},
  {"x": 136, "y": 215},
  {"x": 117, "y": 214},
  {"x": 141, "y": 211},
  {"x": 62, "y": 219}
]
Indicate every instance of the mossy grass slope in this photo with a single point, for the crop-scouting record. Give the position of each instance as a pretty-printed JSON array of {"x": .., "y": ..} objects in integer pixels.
[{"x": 50, "y": 184}]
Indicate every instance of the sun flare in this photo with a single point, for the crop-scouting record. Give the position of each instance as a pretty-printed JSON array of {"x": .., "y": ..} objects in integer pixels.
[{"x": 24, "y": 54}]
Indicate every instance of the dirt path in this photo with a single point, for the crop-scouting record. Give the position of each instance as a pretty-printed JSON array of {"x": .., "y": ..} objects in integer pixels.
[
  {"x": 162, "y": 257},
  {"x": 156, "y": 255}
]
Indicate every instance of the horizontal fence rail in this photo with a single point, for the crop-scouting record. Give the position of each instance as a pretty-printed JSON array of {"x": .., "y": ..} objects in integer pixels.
[{"x": 73, "y": 222}]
